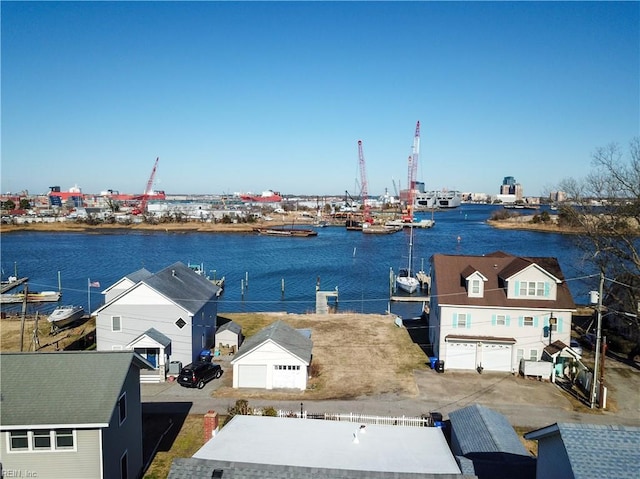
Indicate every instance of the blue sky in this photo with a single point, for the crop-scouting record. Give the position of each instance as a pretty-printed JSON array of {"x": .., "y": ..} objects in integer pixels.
[{"x": 249, "y": 96}]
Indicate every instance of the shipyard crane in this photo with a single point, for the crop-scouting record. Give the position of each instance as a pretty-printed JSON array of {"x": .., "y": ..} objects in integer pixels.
[
  {"x": 412, "y": 173},
  {"x": 142, "y": 207},
  {"x": 366, "y": 213}
]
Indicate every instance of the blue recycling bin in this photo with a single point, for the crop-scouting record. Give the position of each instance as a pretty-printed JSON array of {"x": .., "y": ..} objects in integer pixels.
[
  {"x": 205, "y": 356},
  {"x": 433, "y": 362}
]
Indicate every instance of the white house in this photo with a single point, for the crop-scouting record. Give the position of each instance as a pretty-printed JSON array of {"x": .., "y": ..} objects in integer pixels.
[
  {"x": 165, "y": 317},
  {"x": 275, "y": 357},
  {"x": 491, "y": 311}
]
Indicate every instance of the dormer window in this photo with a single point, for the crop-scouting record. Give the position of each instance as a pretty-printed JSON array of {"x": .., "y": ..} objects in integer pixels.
[
  {"x": 475, "y": 287},
  {"x": 474, "y": 282}
]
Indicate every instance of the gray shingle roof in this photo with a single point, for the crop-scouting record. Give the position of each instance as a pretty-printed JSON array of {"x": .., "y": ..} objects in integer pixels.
[
  {"x": 156, "y": 335},
  {"x": 282, "y": 334},
  {"x": 183, "y": 286},
  {"x": 61, "y": 388},
  {"x": 597, "y": 450},
  {"x": 192, "y": 468},
  {"x": 139, "y": 275},
  {"x": 480, "y": 429},
  {"x": 230, "y": 326}
]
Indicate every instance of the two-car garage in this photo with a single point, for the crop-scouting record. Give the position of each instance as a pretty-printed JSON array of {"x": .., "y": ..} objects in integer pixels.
[{"x": 492, "y": 354}]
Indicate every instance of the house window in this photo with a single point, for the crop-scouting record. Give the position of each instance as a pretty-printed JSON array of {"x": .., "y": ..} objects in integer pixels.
[
  {"x": 64, "y": 438},
  {"x": 462, "y": 320},
  {"x": 19, "y": 440},
  {"x": 501, "y": 320},
  {"x": 528, "y": 320},
  {"x": 116, "y": 323},
  {"x": 532, "y": 288},
  {"x": 181, "y": 323},
  {"x": 42, "y": 439},
  {"x": 475, "y": 286},
  {"x": 122, "y": 407},
  {"x": 533, "y": 355},
  {"x": 124, "y": 468}
]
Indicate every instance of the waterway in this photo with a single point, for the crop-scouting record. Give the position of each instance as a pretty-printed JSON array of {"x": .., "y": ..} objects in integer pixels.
[{"x": 265, "y": 273}]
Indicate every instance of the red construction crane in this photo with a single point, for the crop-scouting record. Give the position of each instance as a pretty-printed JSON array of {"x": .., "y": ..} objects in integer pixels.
[
  {"x": 412, "y": 174},
  {"x": 142, "y": 207},
  {"x": 366, "y": 213}
]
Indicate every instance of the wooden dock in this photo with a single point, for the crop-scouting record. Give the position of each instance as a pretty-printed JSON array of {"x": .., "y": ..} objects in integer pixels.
[
  {"x": 410, "y": 299},
  {"x": 13, "y": 284}
]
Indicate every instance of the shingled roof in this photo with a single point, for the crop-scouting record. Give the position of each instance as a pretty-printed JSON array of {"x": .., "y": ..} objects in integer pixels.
[
  {"x": 496, "y": 267},
  {"x": 596, "y": 450},
  {"x": 183, "y": 286},
  {"x": 59, "y": 389},
  {"x": 282, "y": 334}
]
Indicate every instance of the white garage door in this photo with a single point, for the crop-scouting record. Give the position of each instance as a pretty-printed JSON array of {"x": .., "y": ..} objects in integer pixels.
[
  {"x": 252, "y": 376},
  {"x": 496, "y": 357},
  {"x": 285, "y": 376},
  {"x": 460, "y": 355}
]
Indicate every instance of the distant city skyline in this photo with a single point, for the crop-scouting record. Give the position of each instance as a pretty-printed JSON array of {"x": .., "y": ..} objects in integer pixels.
[{"x": 251, "y": 96}]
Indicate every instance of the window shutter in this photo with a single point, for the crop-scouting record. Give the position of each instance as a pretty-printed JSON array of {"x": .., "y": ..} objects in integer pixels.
[
  {"x": 520, "y": 321},
  {"x": 507, "y": 321},
  {"x": 546, "y": 322},
  {"x": 468, "y": 321},
  {"x": 455, "y": 320},
  {"x": 535, "y": 321},
  {"x": 493, "y": 320},
  {"x": 546, "y": 289},
  {"x": 559, "y": 325},
  {"x": 517, "y": 288}
]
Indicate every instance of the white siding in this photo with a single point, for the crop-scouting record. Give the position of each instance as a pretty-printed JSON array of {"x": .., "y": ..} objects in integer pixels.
[{"x": 270, "y": 355}]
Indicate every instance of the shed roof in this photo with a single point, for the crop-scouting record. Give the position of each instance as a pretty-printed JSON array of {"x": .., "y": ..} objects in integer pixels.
[
  {"x": 282, "y": 334},
  {"x": 496, "y": 267},
  {"x": 63, "y": 388},
  {"x": 617, "y": 448},
  {"x": 229, "y": 326},
  {"x": 480, "y": 429}
]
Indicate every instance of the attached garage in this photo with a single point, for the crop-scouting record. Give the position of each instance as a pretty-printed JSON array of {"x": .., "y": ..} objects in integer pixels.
[
  {"x": 496, "y": 356},
  {"x": 274, "y": 358},
  {"x": 460, "y": 355}
]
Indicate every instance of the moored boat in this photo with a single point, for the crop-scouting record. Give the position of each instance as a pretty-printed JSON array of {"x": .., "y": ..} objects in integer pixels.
[
  {"x": 284, "y": 231},
  {"x": 65, "y": 315},
  {"x": 406, "y": 280}
]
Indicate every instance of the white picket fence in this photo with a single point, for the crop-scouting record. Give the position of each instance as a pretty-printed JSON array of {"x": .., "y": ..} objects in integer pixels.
[{"x": 361, "y": 418}]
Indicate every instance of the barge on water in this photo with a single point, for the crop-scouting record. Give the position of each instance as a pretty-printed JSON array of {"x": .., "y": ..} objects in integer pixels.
[{"x": 283, "y": 231}]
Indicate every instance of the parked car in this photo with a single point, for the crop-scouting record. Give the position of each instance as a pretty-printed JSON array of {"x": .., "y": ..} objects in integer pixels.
[
  {"x": 575, "y": 345},
  {"x": 199, "y": 374}
]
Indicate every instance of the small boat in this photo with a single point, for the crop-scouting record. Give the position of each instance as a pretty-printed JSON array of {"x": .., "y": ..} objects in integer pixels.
[
  {"x": 32, "y": 297},
  {"x": 380, "y": 229},
  {"x": 65, "y": 315},
  {"x": 406, "y": 280},
  {"x": 284, "y": 231}
]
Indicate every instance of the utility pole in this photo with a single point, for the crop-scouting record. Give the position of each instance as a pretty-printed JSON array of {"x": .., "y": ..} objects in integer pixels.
[
  {"x": 596, "y": 365},
  {"x": 24, "y": 312}
]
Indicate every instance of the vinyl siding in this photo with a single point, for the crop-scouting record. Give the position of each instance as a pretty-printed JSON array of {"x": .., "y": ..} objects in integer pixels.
[{"x": 84, "y": 463}]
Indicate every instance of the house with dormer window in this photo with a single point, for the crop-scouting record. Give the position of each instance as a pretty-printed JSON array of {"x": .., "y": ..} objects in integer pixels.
[
  {"x": 489, "y": 312},
  {"x": 166, "y": 317}
]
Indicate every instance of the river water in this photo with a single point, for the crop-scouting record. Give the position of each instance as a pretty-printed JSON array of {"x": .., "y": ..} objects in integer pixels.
[{"x": 265, "y": 273}]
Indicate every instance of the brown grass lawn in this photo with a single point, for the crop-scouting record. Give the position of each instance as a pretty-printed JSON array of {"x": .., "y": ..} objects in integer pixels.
[
  {"x": 67, "y": 339},
  {"x": 357, "y": 354}
]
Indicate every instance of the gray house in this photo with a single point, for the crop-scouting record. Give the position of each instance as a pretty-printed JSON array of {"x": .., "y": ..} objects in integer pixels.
[
  {"x": 166, "y": 317},
  {"x": 71, "y": 415},
  {"x": 587, "y": 451},
  {"x": 485, "y": 444}
]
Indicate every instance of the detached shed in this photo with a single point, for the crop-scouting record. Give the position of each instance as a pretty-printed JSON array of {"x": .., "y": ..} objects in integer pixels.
[
  {"x": 229, "y": 335},
  {"x": 278, "y": 356}
]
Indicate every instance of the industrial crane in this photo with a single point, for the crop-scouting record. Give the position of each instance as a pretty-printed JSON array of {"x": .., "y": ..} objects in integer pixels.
[
  {"x": 412, "y": 174},
  {"x": 366, "y": 213},
  {"x": 142, "y": 207}
]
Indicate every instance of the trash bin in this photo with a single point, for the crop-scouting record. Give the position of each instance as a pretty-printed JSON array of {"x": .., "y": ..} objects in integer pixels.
[
  {"x": 433, "y": 361},
  {"x": 175, "y": 367},
  {"x": 435, "y": 418},
  {"x": 440, "y": 366},
  {"x": 205, "y": 356}
]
